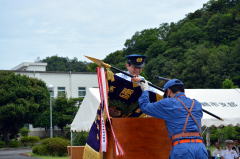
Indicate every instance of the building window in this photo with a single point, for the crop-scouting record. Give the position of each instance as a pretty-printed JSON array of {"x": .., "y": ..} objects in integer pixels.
[
  {"x": 52, "y": 93},
  {"x": 61, "y": 92},
  {"x": 81, "y": 91}
]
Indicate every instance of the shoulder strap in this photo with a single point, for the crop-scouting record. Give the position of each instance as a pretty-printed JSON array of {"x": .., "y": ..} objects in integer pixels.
[{"x": 189, "y": 114}]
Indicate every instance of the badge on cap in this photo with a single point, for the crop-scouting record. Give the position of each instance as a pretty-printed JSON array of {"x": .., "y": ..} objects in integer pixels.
[
  {"x": 139, "y": 60},
  {"x": 136, "y": 60}
]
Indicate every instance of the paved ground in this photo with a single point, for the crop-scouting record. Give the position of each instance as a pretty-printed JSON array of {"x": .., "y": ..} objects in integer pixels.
[{"x": 18, "y": 153}]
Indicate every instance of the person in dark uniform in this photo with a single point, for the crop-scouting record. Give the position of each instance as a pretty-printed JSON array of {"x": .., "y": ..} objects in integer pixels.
[
  {"x": 183, "y": 119},
  {"x": 135, "y": 64}
]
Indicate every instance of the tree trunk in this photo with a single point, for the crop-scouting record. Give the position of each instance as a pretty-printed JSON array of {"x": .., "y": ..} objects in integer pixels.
[{"x": 6, "y": 137}]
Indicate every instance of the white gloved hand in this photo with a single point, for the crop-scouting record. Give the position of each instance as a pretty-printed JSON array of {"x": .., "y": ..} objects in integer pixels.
[{"x": 144, "y": 85}]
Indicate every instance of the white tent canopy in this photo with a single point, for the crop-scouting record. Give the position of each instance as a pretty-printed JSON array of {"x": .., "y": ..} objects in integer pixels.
[
  {"x": 87, "y": 111},
  {"x": 224, "y": 103}
]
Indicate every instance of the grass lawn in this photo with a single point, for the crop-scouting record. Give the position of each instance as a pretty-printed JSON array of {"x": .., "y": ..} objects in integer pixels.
[
  {"x": 48, "y": 157},
  {"x": 211, "y": 148}
]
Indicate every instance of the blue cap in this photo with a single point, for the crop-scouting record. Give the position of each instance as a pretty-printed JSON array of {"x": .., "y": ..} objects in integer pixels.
[
  {"x": 171, "y": 83},
  {"x": 136, "y": 60}
]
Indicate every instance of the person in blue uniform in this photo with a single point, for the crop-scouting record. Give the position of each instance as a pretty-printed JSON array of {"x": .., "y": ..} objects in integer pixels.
[
  {"x": 135, "y": 64},
  {"x": 183, "y": 119}
]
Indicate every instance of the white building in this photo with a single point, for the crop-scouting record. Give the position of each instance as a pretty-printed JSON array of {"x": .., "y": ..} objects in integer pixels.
[{"x": 73, "y": 84}]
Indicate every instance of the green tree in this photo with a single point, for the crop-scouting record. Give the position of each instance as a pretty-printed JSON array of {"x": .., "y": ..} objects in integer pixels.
[
  {"x": 77, "y": 66},
  {"x": 188, "y": 31},
  {"x": 155, "y": 49},
  {"x": 157, "y": 67},
  {"x": 64, "y": 110},
  {"x": 55, "y": 63},
  {"x": 63, "y": 113},
  {"x": 163, "y": 30},
  {"x": 223, "y": 133},
  {"x": 140, "y": 41},
  {"x": 91, "y": 67},
  {"x": 22, "y": 99},
  {"x": 43, "y": 120},
  {"x": 228, "y": 83},
  {"x": 117, "y": 59},
  {"x": 234, "y": 64},
  {"x": 219, "y": 28}
]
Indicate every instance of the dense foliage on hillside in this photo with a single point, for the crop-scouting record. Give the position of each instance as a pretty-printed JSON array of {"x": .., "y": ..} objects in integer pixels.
[{"x": 203, "y": 49}]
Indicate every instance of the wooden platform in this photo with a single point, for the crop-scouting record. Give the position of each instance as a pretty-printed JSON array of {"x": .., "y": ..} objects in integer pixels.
[
  {"x": 75, "y": 152},
  {"x": 140, "y": 138}
]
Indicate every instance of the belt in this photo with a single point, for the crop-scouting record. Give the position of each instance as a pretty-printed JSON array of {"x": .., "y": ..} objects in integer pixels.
[
  {"x": 185, "y": 134},
  {"x": 187, "y": 141}
]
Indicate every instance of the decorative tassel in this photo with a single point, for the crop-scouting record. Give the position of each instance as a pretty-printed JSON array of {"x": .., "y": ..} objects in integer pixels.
[{"x": 104, "y": 99}]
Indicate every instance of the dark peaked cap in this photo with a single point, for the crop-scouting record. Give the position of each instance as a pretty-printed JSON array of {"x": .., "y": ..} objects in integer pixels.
[{"x": 136, "y": 60}]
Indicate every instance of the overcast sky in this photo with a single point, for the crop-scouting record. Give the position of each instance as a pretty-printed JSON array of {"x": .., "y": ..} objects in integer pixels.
[{"x": 73, "y": 28}]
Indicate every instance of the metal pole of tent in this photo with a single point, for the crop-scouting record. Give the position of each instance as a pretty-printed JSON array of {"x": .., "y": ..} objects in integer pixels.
[{"x": 71, "y": 144}]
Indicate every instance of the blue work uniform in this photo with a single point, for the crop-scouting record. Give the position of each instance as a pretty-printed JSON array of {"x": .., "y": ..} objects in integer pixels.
[
  {"x": 174, "y": 114},
  {"x": 128, "y": 78}
]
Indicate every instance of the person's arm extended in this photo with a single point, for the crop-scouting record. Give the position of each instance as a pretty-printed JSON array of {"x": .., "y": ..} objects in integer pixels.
[{"x": 155, "y": 109}]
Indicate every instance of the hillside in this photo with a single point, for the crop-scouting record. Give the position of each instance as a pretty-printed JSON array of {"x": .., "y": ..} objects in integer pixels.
[{"x": 203, "y": 49}]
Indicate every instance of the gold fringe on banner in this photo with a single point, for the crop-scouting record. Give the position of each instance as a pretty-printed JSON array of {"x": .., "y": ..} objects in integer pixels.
[
  {"x": 90, "y": 153},
  {"x": 158, "y": 97},
  {"x": 110, "y": 75}
]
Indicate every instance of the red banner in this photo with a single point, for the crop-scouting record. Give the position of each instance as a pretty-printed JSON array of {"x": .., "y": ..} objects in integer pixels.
[{"x": 102, "y": 82}]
